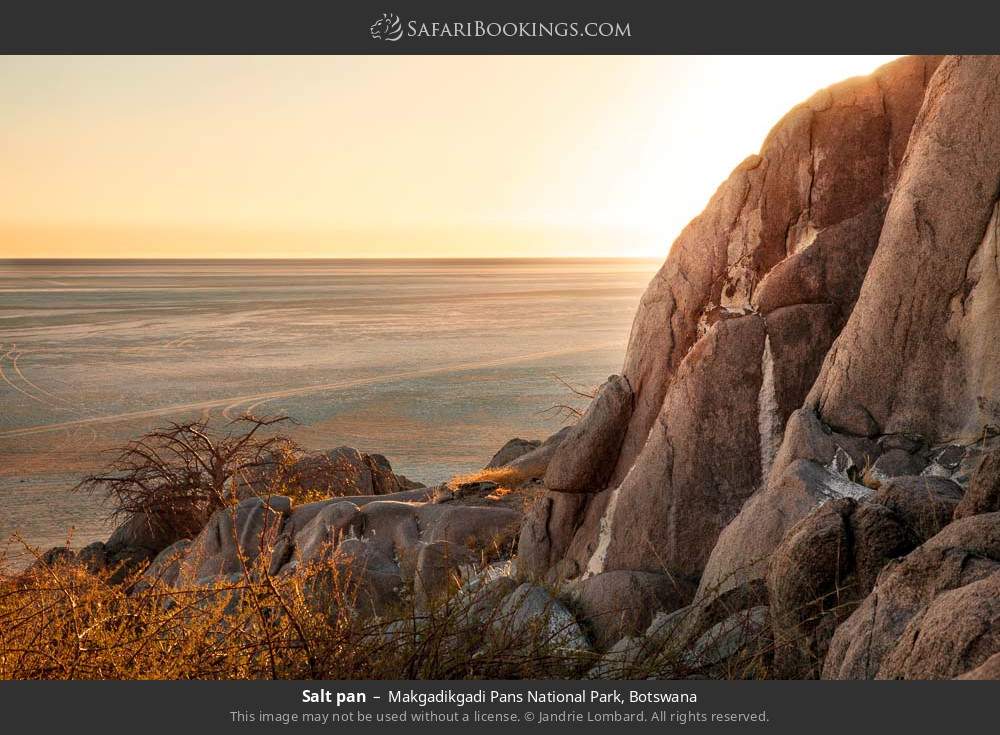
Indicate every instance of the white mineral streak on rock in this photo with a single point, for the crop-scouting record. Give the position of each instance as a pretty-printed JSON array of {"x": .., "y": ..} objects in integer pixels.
[
  {"x": 806, "y": 238},
  {"x": 769, "y": 425},
  {"x": 596, "y": 563}
]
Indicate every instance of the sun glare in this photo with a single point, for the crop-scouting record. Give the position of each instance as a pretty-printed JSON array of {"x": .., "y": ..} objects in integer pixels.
[{"x": 379, "y": 156}]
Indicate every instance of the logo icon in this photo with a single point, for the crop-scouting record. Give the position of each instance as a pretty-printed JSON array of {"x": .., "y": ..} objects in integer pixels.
[{"x": 387, "y": 28}]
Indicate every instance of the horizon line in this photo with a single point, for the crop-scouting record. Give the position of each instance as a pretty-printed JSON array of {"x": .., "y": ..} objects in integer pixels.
[{"x": 219, "y": 259}]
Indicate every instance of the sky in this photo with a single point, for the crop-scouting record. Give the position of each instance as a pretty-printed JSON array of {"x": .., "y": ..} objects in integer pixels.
[{"x": 379, "y": 156}]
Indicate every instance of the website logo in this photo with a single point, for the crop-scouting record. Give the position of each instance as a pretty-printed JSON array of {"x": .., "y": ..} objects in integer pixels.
[{"x": 387, "y": 28}]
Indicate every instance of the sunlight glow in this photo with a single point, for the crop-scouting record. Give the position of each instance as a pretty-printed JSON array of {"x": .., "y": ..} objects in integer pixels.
[{"x": 394, "y": 156}]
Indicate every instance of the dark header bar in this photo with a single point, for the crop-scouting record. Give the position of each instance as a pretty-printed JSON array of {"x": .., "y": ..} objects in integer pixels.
[{"x": 512, "y": 27}]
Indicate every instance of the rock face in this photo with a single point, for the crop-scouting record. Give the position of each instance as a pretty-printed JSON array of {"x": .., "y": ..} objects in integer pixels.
[
  {"x": 914, "y": 358},
  {"x": 732, "y": 333},
  {"x": 829, "y": 561},
  {"x": 919, "y": 324},
  {"x": 816, "y": 392},
  {"x": 623, "y": 603},
  {"x": 935, "y": 614}
]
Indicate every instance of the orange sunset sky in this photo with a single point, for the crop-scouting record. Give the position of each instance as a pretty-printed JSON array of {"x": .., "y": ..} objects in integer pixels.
[{"x": 389, "y": 156}]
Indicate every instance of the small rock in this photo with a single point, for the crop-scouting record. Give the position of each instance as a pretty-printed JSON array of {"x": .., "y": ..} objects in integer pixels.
[
  {"x": 623, "y": 603},
  {"x": 530, "y": 606},
  {"x": 896, "y": 463},
  {"x": 534, "y": 463},
  {"x": 438, "y": 571},
  {"x": 983, "y": 495},
  {"x": 747, "y": 631},
  {"x": 512, "y": 450}
]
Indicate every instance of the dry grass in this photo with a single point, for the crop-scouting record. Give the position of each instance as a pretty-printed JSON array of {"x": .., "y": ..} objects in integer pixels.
[
  {"x": 867, "y": 477},
  {"x": 514, "y": 489},
  {"x": 61, "y": 621},
  {"x": 509, "y": 478}
]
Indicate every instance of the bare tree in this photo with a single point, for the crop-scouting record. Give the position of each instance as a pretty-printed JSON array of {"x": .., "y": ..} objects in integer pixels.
[
  {"x": 565, "y": 410},
  {"x": 175, "y": 477}
]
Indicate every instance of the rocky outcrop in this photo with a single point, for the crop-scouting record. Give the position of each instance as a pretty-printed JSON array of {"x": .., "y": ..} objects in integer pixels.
[
  {"x": 816, "y": 393},
  {"x": 934, "y": 614},
  {"x": 623, "y": 603},
  {"x": 829, "y": 561},
  {"x": 361, "y": 549},
  {"x": 343, "y": 471},
  {"x": 585, "y": 458},
  {"x": 913, "y": 358},
  {"x": 733, "y": 330},
  {"x": 346, "y": 471}
]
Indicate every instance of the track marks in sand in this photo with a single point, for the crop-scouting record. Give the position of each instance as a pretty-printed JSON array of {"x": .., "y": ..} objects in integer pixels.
[
  {"x": 229, "y": 405},
  {"x": 15, "y": 356},
  {"x": 11, "y": 356}
]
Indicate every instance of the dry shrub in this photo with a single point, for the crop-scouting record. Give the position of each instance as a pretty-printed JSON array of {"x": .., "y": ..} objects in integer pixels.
[
  {"x": 175, "y": 477},
  {"x": 567, "y": 411},
  {"x": 61, "y": 620}
]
